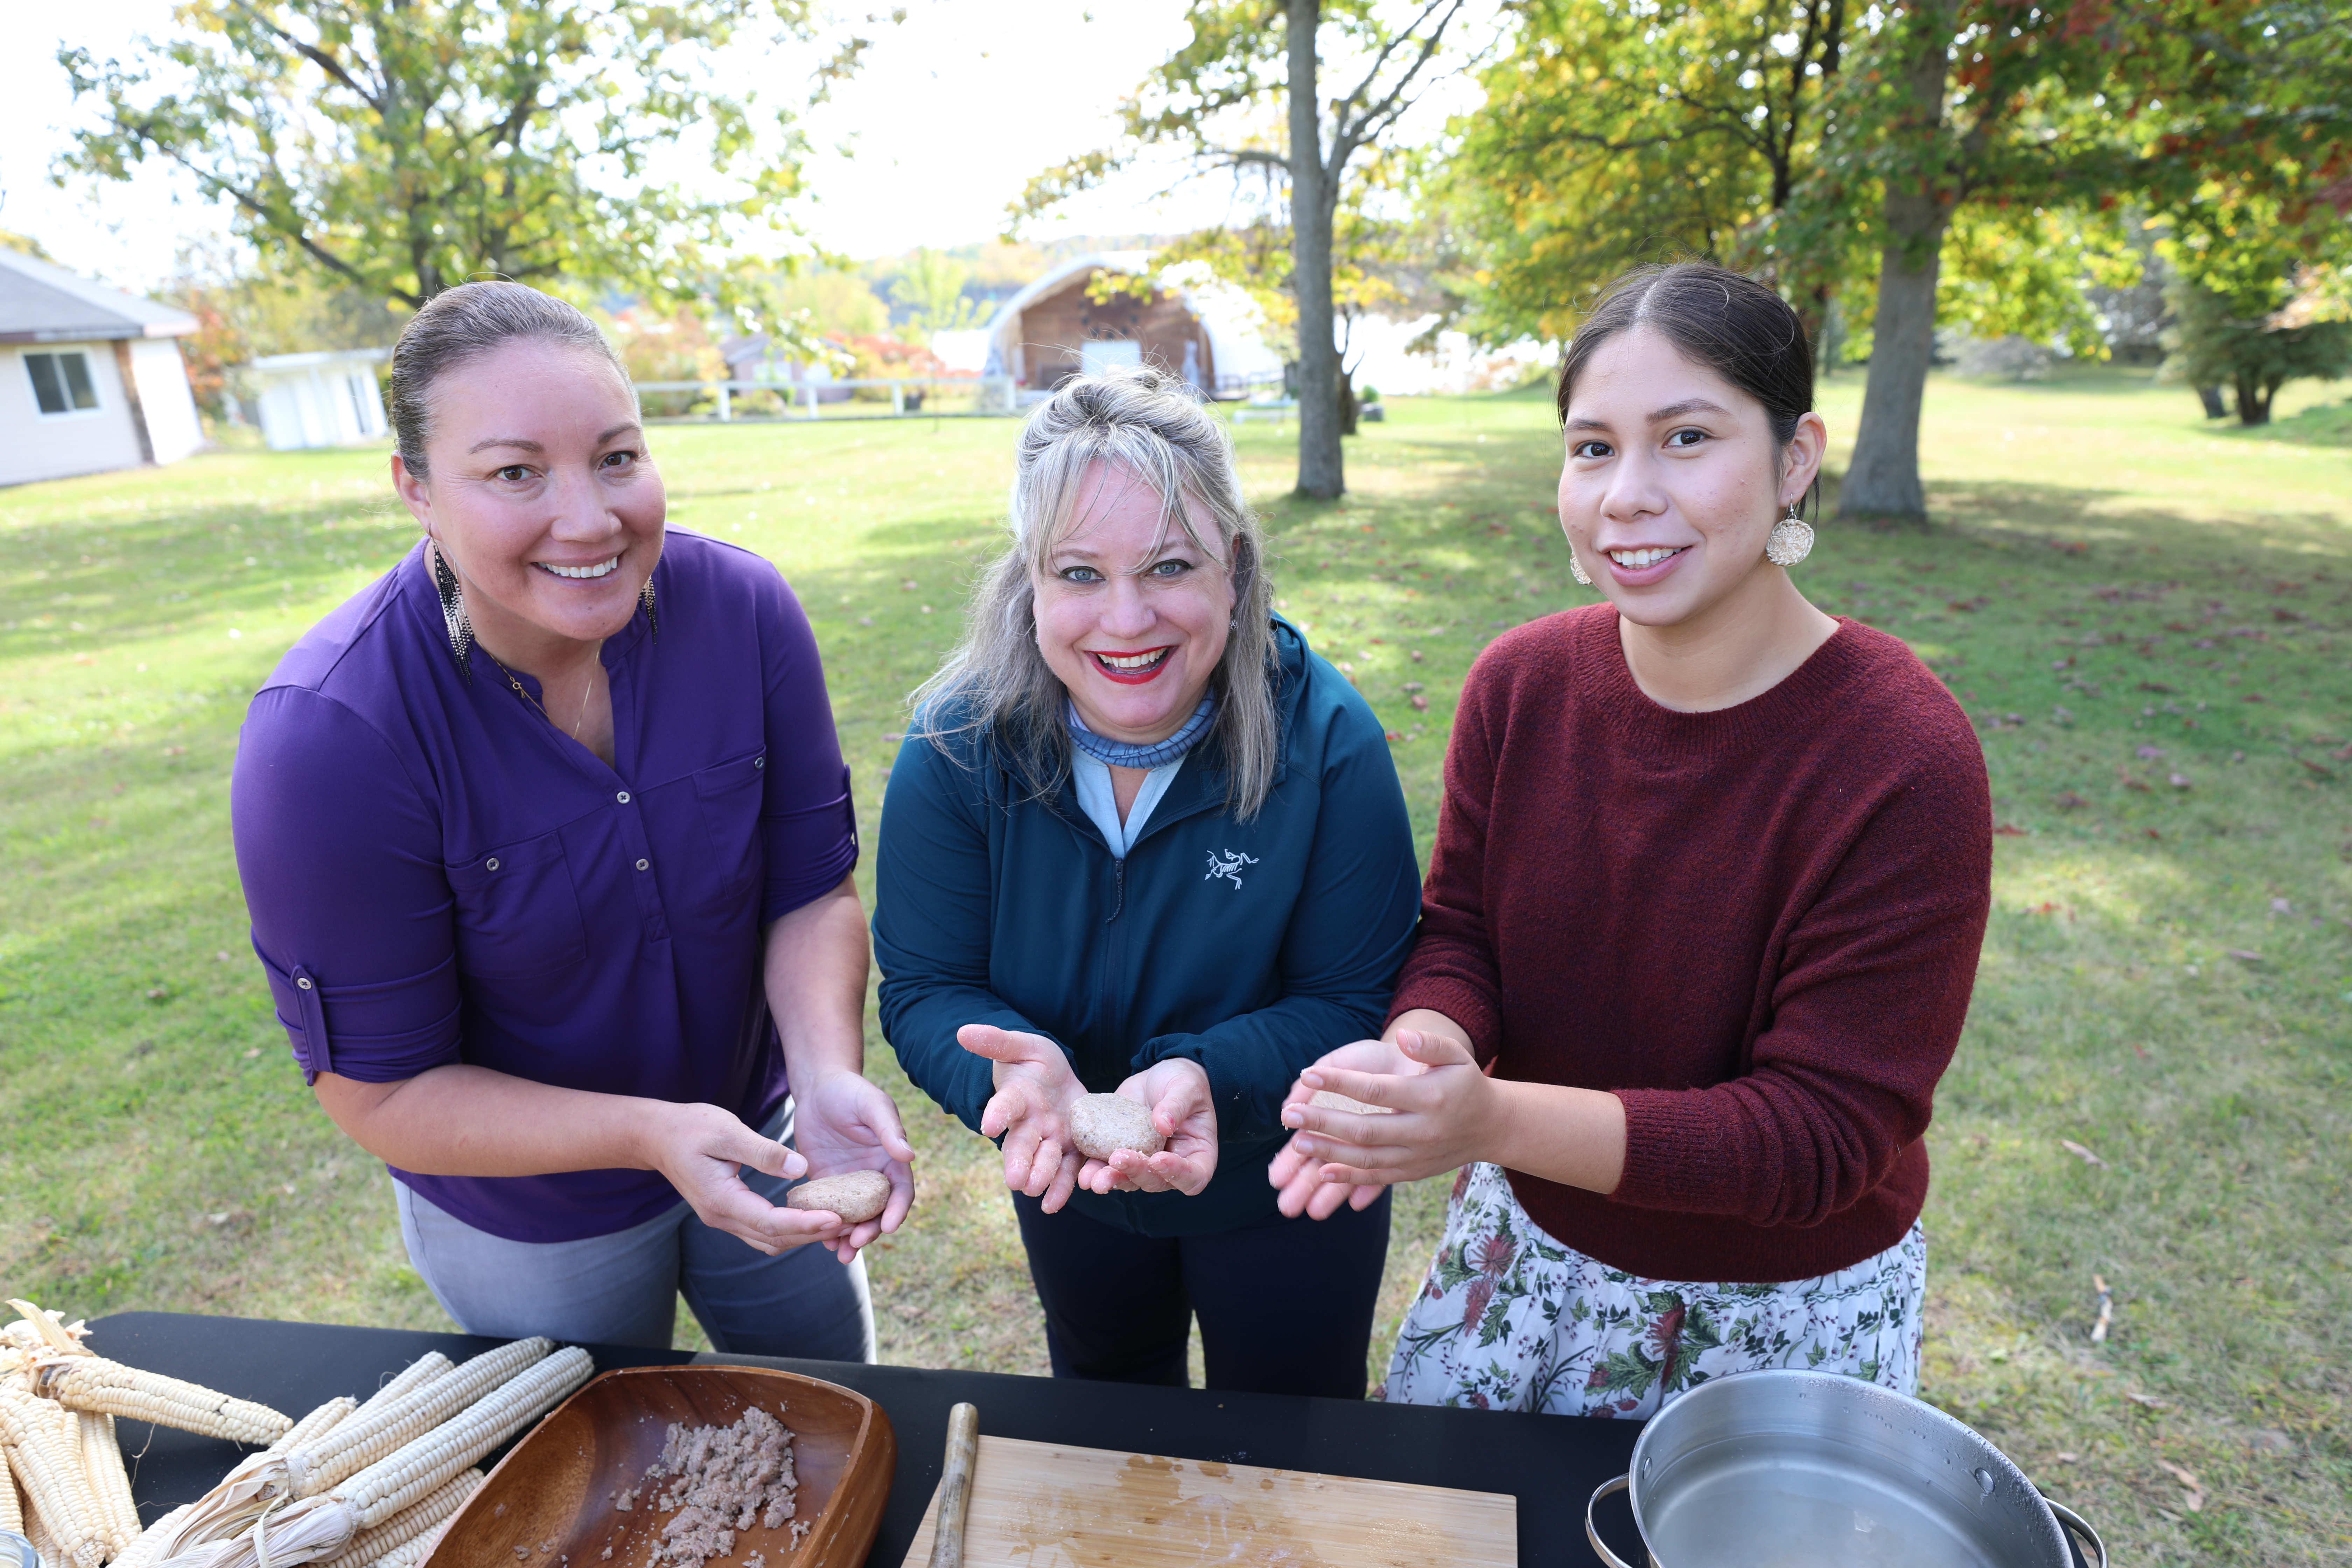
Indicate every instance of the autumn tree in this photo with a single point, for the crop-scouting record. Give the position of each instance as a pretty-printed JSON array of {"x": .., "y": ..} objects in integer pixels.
[
  {"x": 400, "y": 146},
  {"x": 1216, "y": 101},
  {"x": 1617, "y": 131}
]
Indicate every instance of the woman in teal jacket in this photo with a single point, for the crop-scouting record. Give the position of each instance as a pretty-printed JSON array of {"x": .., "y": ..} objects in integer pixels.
[{"x": 1143, "y": 841}]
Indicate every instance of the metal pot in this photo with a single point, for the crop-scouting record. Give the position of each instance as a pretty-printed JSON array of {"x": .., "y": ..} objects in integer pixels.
[{"x": 1816, "y": 1470}]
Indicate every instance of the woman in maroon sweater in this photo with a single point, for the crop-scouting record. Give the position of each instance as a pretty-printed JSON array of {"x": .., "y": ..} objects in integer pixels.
[{"x": 1711, "y": 875}]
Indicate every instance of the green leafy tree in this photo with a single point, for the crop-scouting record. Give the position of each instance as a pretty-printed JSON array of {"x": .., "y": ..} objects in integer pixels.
[
  {"x": 1246, "y": 96},
  {"x": 2253, "y": 355},
  {"x": 2079, "y": 105},
  {"x": 1617, "y": 131},
  {"x": 2254, "y": 228},
  {"x": 403, "y": 145}
]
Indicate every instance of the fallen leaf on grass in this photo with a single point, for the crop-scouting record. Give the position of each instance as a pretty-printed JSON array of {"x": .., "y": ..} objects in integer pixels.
[
  {"x": 2282, "y": 907},
  {"x": 2142, "y": 785},
  {"x": 2316, "y": 771},
  {"x": 2148, "y": 1400},
  {"x": 2069, "y": 800},
  {"x": 2195, "y": 1500},
  {"x": 2242, "y": 956},
  {"x": 2342, "y": 755},
  {"x": 2006, "y": 830},
  {"x": 2083, "y": 1155},
  {"x": 2178, "y": 781},
  {"x": 1420, "y": 704},
  {"x": 2064, "y": 1457},
  {"x": 2148, "y": 753}
]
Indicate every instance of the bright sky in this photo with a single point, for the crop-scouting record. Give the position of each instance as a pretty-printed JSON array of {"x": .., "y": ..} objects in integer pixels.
[{"x": 949, "y": 116}]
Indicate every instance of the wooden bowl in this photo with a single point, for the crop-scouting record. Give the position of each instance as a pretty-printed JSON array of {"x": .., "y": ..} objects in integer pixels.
[{"x": 550, "y": 1502}]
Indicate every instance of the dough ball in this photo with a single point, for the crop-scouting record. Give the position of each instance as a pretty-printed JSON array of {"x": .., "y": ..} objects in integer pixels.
[
  {"x": 856, "y": 1196},
  {"x": 1331, "y": 1100},
  {"x": 1103, "y": 1123}
]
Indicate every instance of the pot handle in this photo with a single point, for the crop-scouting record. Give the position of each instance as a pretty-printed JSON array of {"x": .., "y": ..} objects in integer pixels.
[
  {"x": 1609, "y": 1489},
  {"x": 2076, "y": 1524}
]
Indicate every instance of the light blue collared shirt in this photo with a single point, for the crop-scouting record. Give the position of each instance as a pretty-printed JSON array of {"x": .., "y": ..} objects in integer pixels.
[{"x": 1092, "y": 778}]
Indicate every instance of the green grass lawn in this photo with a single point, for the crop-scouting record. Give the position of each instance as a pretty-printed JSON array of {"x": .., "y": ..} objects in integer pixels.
[{"x": 2148, "y": 616}]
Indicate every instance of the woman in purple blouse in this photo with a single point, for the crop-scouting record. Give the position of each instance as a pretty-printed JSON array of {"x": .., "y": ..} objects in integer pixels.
[{"x": 547, "y": 842}]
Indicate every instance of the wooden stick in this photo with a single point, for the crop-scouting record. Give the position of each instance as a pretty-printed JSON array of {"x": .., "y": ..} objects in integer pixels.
[{"x": 955, "y": 1486}]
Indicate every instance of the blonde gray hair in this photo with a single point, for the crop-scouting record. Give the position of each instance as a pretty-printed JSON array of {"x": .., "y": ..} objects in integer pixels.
[{"x": 1148, "y": 425}]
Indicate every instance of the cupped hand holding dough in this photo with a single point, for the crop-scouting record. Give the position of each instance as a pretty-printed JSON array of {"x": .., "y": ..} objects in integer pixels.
[
  {"x": 856, "y": 1196},
  {"x": 1103, "y": 1124}
]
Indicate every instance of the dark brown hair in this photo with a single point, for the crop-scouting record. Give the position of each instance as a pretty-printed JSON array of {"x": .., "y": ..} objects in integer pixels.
[
  {"x": 463, "y": 324},
  {"x": 1726, "y": 320}
]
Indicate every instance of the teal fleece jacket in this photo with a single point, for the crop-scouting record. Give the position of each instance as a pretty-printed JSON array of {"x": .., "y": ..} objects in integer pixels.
[{"x": 1252, "y": 947}]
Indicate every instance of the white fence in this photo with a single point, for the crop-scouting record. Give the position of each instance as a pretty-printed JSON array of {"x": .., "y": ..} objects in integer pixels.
[{"x": 988, "y": 397}]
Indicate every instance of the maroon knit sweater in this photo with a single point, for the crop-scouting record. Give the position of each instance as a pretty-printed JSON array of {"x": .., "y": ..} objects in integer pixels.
[{"x": 1758, "y": 927}]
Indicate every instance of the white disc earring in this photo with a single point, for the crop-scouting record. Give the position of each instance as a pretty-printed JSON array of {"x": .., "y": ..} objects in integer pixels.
[
  {"x": 1791, "y": 540},
  {"x": 1576, "y": 568}
]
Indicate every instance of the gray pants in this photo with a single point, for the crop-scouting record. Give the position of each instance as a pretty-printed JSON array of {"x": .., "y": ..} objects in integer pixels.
[{"x": 622, "y": 1289}]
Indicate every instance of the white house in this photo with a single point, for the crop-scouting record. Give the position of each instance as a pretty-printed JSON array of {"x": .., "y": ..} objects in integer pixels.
[
  {"x": 325, "y": 399},
  {"x": 91, "y": 377}
]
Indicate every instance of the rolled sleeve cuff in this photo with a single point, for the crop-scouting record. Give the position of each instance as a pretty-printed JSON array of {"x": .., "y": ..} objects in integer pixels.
[
  {"x": 343, "y": 1029},
  {"x": 809, "y": 852}
]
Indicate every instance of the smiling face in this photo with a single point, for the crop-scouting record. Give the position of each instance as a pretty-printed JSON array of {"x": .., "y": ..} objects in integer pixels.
[
  {"x": 541, "y": 495},
  {"x": 1671, "y": 486},
  {"x": 1131, "y": 614}
]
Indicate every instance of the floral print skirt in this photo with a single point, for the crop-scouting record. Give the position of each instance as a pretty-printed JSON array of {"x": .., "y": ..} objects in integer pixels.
[{"x": 1508, "y": 1319}]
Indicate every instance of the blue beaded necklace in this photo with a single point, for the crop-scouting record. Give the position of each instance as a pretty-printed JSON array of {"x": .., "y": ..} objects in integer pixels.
[{"x": 1128, "y": 754}]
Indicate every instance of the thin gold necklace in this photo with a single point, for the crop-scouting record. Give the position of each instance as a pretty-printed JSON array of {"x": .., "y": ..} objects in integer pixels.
[{"x": 524, "y": 692}]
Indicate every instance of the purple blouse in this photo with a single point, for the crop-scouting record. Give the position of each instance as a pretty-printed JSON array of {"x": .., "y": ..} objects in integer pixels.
[{"x": 437, "y": 874}]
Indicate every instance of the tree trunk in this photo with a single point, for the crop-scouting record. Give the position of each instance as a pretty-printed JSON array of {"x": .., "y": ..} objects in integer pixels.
[
  {"x": 2253, "y": 400},
  {"x": 1321, "y": 474},
  {"x": 1346, "y": 402},
  {"x": 1881, "y": 483},
  {"x": 2216, "y": 408}
]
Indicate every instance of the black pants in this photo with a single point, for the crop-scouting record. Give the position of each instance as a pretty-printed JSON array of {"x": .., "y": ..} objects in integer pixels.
[{"x": 1285, "y": 1305}]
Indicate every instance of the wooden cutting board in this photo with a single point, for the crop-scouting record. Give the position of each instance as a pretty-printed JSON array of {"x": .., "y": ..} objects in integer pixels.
[{"x": 1041, "y": 1505}]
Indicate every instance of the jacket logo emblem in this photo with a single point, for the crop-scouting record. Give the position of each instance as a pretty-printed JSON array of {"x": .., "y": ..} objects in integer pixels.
[{"x": 1228, "y": 865}]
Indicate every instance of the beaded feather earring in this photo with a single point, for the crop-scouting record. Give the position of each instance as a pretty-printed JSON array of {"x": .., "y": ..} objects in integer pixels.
[{"x": 453, "y": 612}]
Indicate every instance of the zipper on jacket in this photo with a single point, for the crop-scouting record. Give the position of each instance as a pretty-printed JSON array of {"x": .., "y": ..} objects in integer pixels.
[{"x": 1117, "y": 887}]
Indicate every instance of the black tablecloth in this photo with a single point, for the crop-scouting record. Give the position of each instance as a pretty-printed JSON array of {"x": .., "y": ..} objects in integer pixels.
[{"x": 1548, "y": 1463}]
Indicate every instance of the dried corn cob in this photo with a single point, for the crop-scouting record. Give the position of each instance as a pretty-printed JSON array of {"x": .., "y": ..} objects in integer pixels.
[
  {"x": 110, "y": 1388},
  {"x": 50, "y": 1472},
  {"x": 406, "y": 1525},
  {"x": 314, "y": 1426},
  {"x": 45, "y": 1545},
  {"x": 147, "y": 1548},
  {"x": 117, "y": 1515},
  {"x": 12, "y": 1511},
  {"x": 410, "y": 1555},
  {"x": 406, "y": 1478},
  {"x": 408, "y": 1380},
  {"x": 360, "y": 1441}
]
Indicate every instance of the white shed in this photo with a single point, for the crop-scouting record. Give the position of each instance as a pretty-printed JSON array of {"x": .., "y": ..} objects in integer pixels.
[
  {"x": 91, "y": 377},
  {"x": 325, "y": 399}
]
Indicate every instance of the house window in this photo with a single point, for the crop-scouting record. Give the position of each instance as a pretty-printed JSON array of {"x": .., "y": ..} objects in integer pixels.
[{"x": 61, "y": 383}]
